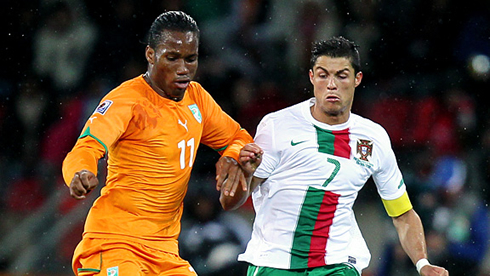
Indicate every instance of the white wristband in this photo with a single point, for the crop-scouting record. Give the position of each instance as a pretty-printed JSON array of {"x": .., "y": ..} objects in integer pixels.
[{"x": 421, "y": 263}]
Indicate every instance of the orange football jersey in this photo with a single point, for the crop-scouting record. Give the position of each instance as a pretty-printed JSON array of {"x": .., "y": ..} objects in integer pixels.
[{"x": 151, "y": 143}]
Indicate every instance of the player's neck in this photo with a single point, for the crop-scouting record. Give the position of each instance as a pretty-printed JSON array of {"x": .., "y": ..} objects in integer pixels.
[
  {"x": 336, "y": 118},
  {"x": 159, "y": 91}
]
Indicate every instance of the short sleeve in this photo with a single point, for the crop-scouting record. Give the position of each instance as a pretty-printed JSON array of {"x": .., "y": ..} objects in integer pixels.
[
  {"x": 265, "y": 139},
  {"x": 388, "y": 177}
]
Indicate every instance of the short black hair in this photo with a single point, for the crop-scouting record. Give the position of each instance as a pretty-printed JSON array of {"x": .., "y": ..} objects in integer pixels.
[
  {"x": 171, "y": 21},
  {"x": 336, "y": 47}
]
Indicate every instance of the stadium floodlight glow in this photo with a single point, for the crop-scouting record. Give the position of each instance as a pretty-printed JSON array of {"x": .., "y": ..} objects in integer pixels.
[{"x": 480, "y": 66}]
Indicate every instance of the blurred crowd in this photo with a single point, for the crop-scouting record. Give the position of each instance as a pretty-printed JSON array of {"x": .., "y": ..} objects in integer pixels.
[{"x": 426, "y": 71}]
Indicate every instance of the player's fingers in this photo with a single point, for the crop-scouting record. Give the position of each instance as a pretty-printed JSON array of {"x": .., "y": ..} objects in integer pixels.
[
  {"x": 220, "y": 174},
  {"x": 243, "y": 181},
  {"x": 244, "y": 155},
  {"x": 77, "y": 190},
  {"x": 255, "y": 162},
  {"x": 234, "y": 182},
  {"x": 89, "y": 180},
  {"x": 220, "y": 182},
  {"x": 254, "y": 148},
  {"x": 85, "y": 179}
]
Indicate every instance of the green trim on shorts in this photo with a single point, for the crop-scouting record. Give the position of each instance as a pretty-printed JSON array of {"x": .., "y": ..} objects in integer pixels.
[
  {"x": 342, "y": 269},
  {"x": 88, "y": 270},
  {"x": 92, "y": 269}
]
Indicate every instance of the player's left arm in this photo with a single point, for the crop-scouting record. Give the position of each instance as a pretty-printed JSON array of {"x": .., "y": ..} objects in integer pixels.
[
  {"x": 411, "y": 234},
  {"x": 228, "y": 180},
  {"x": 229, "y": 172},
  {"x": 223, "y": 134},
  {"x": 392, "y": 190}
]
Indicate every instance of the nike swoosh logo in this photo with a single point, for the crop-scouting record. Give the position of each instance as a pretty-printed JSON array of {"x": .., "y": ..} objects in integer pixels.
[{"x": 297, "y": 143}]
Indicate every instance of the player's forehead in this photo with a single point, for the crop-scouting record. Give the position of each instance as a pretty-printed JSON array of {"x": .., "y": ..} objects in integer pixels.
[
  {"x": 178, "y": 42},
  {"x": 328, "y": 63},
  {"x": 173, "y": 37}
]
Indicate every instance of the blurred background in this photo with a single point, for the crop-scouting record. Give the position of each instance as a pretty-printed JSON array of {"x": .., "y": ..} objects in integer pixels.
[{"x": 426, "y": 80}]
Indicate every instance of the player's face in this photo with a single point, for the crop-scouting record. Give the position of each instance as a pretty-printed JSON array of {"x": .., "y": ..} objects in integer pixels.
[
  {"x": 334, "y": 82},
  {"x": 173, "y": 64}
]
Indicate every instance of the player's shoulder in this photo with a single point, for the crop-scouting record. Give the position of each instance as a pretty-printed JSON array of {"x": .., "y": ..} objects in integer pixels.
[
  {"x": 369, "y": 127},
  {"x": 282, "y": 118},
  {"x": 286, "y": 113},
  {"x": 194, "y": 85},
  {"x": 197, "y": 93},
  {"x": 195, "y": 88},
  {"x": 122, "y": 97},
  {"x": 365, "y": 121},
  {"x": 130, "y": 90}
]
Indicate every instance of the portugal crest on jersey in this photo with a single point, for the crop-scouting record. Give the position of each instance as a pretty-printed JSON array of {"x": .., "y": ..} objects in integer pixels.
[
  {"x": 364, "y": 149},
  {"x": 196, "y": 112}
]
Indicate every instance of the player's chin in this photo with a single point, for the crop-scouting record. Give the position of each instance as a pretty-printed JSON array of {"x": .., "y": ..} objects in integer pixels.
[
  {"x": 178, "y": 92},
  {"x": 333, "y": 111}
]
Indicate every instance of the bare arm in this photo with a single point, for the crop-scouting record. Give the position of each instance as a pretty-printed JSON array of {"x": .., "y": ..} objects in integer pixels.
[{"x": 412, "y": 238}]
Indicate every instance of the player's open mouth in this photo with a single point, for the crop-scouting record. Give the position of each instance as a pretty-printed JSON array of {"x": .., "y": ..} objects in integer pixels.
[
  {"x": 182, "y": 84},
  {"x": 332, "y": 98}
]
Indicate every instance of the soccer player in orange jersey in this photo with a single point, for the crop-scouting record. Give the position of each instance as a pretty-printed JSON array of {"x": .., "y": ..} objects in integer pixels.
[{"x": 150, "y": 128}]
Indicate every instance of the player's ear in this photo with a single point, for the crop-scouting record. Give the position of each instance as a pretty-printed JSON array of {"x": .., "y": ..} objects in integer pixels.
[
  {"x": 358, "y": 78},
  {"x": 150, "y": 55},
  {"x": 310, "y": 73}
]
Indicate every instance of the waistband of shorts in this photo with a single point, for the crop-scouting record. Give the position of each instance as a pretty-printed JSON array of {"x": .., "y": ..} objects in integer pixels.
[{"x": 165, "y": 245}]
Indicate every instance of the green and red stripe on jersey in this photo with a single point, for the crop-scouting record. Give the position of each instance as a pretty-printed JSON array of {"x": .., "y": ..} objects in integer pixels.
[
  {"x": 335, "y": 142},
  {"x": 313, "y": 227}
]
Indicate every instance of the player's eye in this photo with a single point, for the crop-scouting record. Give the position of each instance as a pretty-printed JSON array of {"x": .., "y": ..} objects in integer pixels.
[{"x": 191, "y": 59}]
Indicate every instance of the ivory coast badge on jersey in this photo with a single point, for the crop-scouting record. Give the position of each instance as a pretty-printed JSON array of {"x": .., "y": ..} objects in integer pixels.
[
  {"x": 113, "y": 271},
  {"x": 364, "y": 149},
  {"x": 195, "y": 111},
  {"x": 103, "y": 107}
]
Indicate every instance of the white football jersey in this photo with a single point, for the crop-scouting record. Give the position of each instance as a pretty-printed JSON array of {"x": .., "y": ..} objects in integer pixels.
[{"x": 314, "y": 172}]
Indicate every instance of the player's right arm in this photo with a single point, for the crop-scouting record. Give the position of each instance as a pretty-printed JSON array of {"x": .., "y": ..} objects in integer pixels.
[
  {"x": 80, "y": 166},
  {"x": 101, "y": 131}
]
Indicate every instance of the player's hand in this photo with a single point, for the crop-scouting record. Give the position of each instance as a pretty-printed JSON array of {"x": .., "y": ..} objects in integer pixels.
[
  {"x": 250, "y": 158},
  {"x": 433, "y": 270},
  {"x": 82, "y": 183},
  {"x": 229, "y": 175}
]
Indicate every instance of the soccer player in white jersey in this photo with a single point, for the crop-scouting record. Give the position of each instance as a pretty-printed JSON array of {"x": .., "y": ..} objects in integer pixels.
[{"x": 314, "y": 158}]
